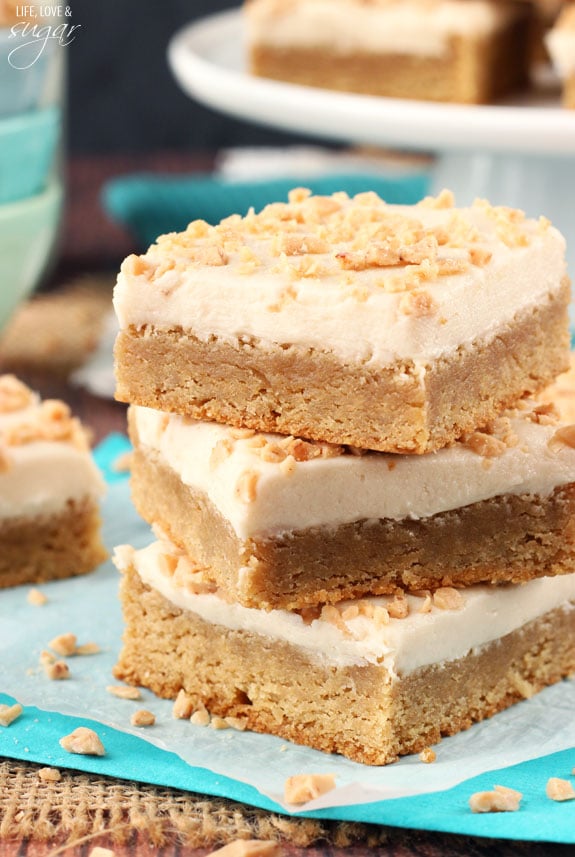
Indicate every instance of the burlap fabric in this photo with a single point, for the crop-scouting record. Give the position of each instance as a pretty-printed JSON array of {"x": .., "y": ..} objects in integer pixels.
[{"x": 83, "y": 806}]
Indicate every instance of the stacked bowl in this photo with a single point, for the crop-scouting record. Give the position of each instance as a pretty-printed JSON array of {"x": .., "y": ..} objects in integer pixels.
[{"x": 31, "y": 86}]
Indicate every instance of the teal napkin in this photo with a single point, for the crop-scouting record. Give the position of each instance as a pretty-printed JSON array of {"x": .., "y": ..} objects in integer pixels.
[
  {"x": 151, "y": 205},
  {"x": 248, "y": 767}
]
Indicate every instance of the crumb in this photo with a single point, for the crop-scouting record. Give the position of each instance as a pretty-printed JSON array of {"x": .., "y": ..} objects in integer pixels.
[
  {"x": 64, "y": 644},
  {"x": 501, "y": 799},
  {"x": 123, "y": 691},
  {"x": 9, "y": 713},
  {"x": 50, "y": 775},
  {"x": 142, "y": 718},
  {"x": 123, "y": 463},
  {"x": 427, "y": 755},
  {"x": 565, "y": 435},
  {"x": 248, "y": 848},
  {"x": 83, "y": 742},
  {"x": 183, "y": 706},
  {"x": 88, "y": 649},
  {"x": 201, "y": 717},
  {"x": 101, "y": 852},
  {"x": 237, "y": 723},
  {"x": 448, "y": 598},
  {"x": 558, "y": 789},
  {"x": 57, "y": 670},
  {"x": 302, "y": 788},
  {"x": 36, "y": 597},
  {"x": 219, "y": 723},
  {"x": 246, "y": 486}
]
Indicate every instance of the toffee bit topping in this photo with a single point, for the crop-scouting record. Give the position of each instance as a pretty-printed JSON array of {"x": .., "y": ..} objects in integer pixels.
[
  {"x": 249, "y": 848},
  {"x": 9, "y": 713},
  {"x": 479, "y": 256},
  {"x": 545, "y": 413},
  {"x": 14, "y": 395},
  {"x": 330, "y": 613},
  {"x": 50, "y": 775},
  {"x": 122, "y": 691},
  {"x": 5, "y": 460},
  {"x": 241, "y": 433},
  {"x": 56, "y": 670},
  {"x": 565, "y": 435},
  {"x": 167, "y": 563},
  {"x": 302, "y": 788},
  {"x": 222, "y": 450},
  {"x": 427, "y": 604},
  {"x": 64, "y": 644},
  {"x": 51, "y": 421},
  {"x": 183, "y": 706},
  {"x": 501, "y": 799},
  {"x": 444, "y": 199},
  {"x": 84, "y": 742},
  {"x": 427, "y": 755},
  {"x": 123, "y": 462},
  {"x": 36, "y": 597},
  {"x": 143, "y": 717},
  {"x": 246, "y": 486},
  {"x": 219, "y": 723},
  {"x": 297, "y": 244},
  {"x": 389, "y": 254},
  {"x": 485, "y": 444},
  {"x": 309, "y": 614},
  {"x": 201, "y": 717},
  {"x": 448, "y": 598},
  {"x": 417, "y": 303},
  {"x": 559, "y": 790},
  {"x": 399, "y": 607},
  {"x": 299, "y": 194},
  {"x": 88, "y": 649}
]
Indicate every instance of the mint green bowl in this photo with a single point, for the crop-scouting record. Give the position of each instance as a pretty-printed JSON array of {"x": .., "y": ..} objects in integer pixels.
[{"x": 28, "y": 230}]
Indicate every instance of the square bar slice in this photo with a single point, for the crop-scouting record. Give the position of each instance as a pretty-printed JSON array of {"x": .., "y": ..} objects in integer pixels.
[
  {"x": 49, "y": 490},
  {"x": 469, "y": 51},
  {"x": 371, "y": 679},
  {"x": 283, "y": 522},
  {"x": 395, "y": 328}
]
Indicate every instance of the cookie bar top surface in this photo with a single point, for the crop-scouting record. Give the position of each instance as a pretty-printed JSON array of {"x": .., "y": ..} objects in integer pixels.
[
  {"x": 398, "y": 26},
  {"x": 268, "y": 484},
  {"x": 560, "y": 41},
  {"x": 401, "y": 632},
  {"x": 366, "y": 281},
  {"x": 44, "y": 454}
]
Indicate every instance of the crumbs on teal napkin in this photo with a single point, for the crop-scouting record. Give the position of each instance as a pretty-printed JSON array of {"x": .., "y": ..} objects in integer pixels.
[
  {"x": 150, "y": 205},
  {"x": 108, "y": 454}
]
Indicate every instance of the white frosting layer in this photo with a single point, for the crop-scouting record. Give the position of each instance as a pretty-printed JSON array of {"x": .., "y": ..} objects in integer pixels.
[
  {"x": 357, "y": 315},
  {"x": 43, "y": 475},
  {"x": 396, "y": 26},
  {"x": 401, "y": 646},
  {"x": 345, "y": 488}
]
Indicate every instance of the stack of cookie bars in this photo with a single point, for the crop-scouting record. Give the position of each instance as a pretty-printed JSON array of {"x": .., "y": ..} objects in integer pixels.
[{"x": 366, "y": 529}]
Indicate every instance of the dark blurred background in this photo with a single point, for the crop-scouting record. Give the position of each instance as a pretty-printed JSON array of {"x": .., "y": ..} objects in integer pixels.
[{"x": 122, "y": 95}]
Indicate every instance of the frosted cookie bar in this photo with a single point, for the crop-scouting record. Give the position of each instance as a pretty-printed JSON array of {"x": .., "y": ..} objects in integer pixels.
[
  {"x": 440, "y": 50},
  {"x": 284, "y": 522},
  {"x": 560, "y": 42},
  {"x": 49, "y": 490},
  {"x": 394, "y": 328},
  {"x": 371, "y": 679}
]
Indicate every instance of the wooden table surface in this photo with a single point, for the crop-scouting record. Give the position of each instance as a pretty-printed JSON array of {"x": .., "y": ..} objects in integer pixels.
[{"x": 89, "y": 241}]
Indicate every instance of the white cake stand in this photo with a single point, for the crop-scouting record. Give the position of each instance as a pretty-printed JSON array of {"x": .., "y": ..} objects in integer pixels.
[{"x": 519, "y": 153}]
